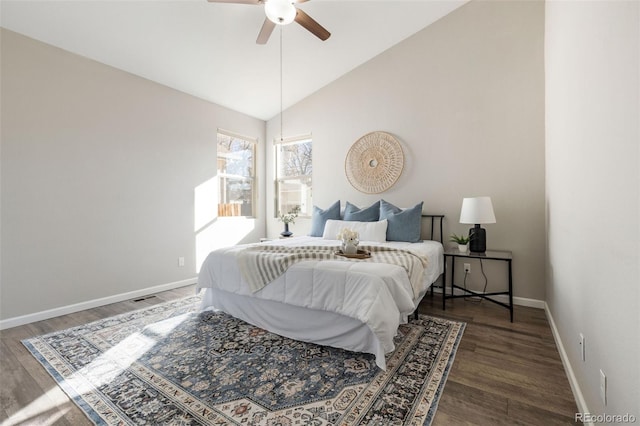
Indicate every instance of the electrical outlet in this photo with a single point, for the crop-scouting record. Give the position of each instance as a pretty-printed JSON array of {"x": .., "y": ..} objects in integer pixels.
[
  {"x": 603, "y": 387},
  {"x": 582, "y": 348},
  {"x": 467, "y": 268},
  {"x": 181, "y": 261}
]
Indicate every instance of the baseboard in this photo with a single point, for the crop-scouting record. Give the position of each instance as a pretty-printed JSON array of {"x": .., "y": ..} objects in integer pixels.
[
  {"x": 525, "y": 301},
  {"x": 64, "y": 310},
  {"x": 573, "y": 382},
  {"x": 520, "y": 301}
]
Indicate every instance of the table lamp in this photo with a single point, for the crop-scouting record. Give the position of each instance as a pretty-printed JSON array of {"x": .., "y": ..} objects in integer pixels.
[{"x": 477, "y": 210}]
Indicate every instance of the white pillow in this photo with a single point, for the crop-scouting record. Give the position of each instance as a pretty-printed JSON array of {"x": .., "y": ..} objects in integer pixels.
[{"x": 368, "y": 231}]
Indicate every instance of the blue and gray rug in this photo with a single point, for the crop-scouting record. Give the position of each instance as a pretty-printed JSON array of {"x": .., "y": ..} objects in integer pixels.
[{"x": 169, "y": 364}]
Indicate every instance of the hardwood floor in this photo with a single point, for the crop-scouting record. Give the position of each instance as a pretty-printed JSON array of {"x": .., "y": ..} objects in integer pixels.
[
  {"x": 504, "y": 373},
  {"x": 28, "y": 395}
]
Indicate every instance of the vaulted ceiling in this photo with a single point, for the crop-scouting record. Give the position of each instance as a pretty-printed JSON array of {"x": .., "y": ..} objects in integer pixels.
[{"x": 209, "y": 50}]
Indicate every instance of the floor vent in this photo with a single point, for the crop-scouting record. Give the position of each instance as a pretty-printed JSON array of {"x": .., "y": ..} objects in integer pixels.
[{"x": 140, "y": 299}]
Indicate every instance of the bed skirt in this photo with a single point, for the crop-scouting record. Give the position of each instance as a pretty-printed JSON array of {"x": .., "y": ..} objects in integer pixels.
[{"x": 304, "y": 324}]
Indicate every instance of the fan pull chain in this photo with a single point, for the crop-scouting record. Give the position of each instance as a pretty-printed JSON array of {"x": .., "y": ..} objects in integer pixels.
[{"x": 281, "y": 120}]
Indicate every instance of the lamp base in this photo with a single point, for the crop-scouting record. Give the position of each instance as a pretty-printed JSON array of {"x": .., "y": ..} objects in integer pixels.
[{"x": 478, "y": 242}]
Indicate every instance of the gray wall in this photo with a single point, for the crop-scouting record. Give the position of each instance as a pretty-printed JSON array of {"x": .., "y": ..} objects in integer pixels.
[
  {"x": 593, "y": 190},
  {"x": 101, "y": 174},
  {"x": 465, "y": 97}
]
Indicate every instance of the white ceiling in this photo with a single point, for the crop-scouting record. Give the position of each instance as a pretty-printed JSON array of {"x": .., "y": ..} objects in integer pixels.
[{"x": 208, "y": 49}]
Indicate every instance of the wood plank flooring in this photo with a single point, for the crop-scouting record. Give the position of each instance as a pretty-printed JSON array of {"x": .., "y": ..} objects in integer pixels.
[{"x": 503, "y": 374}]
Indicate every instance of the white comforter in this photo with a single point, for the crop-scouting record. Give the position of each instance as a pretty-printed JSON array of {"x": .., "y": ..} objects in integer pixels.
[{"x": 379, "y": 295}]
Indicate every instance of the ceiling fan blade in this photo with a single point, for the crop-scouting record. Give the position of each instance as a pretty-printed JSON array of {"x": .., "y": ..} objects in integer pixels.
[
  {"x": 265, "y": 31},
  {"x": 310, "y": 24},
  {"x": 237, "y": 1}
]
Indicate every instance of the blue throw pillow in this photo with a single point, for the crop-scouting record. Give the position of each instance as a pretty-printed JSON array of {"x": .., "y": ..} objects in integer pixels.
[
  {"x": 319, "y": 217},
  {"x": 403, "y": 225},
  {"x": 369, "y": 214}
]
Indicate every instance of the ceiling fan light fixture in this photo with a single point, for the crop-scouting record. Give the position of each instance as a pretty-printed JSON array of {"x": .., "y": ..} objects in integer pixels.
[{"x": 281, "y": 12}]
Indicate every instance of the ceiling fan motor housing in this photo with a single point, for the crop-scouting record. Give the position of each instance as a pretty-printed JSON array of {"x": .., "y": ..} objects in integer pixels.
[{"x": 281, "y": 12}]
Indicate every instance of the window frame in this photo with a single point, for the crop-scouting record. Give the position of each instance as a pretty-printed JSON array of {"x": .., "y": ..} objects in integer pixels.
[
  {"x": 278, "y": 180},
  {"x": 252, "y": 178}
]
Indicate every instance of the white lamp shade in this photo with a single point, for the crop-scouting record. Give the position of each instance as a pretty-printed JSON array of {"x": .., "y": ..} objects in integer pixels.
[
  {"x": 281, "y": 12},
  {"x": 477, "y": 210}
]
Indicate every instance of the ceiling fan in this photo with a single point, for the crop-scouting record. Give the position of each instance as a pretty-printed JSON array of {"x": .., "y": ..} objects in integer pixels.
[{"x": 282, "y": 12}]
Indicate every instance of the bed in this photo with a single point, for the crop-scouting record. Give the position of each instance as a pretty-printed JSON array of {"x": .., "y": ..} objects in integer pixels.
[{"x": 353, "y": 304}]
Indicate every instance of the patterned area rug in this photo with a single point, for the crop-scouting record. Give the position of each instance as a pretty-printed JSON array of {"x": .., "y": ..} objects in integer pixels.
[{"x": 169, "y": 364}]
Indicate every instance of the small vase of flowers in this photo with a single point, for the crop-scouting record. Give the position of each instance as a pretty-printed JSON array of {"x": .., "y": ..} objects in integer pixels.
[
  {"x": 350, "y": 240},
  {"x": 288, "y": 218}
]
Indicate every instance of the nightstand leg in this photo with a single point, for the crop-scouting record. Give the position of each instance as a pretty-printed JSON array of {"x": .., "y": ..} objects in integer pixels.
[
  {"x": 444, "y": 284},
  {"x": 453, "y": 277},
  {"x": 510, "y": 292}
]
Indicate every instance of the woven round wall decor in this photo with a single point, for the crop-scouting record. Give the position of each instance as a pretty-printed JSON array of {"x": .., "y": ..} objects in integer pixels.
[{"x": 374, "y": 162}]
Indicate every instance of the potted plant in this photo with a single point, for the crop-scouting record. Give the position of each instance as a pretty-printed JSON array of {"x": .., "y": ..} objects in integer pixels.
[{"x": 462, "y": 241}]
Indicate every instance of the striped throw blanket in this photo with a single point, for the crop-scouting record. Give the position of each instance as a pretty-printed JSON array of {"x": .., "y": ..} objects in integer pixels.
[{"x": 260, "y": 265}]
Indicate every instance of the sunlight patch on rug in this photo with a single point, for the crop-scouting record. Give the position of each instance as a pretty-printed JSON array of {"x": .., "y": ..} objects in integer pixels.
[{"x": 170, "y": 364}]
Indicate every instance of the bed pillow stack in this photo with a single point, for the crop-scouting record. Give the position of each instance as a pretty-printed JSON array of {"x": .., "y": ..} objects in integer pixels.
[
  {"x": 380, "y": 218},
  {"x": 319, "y": 217},
  {"x": 368, "y": 214},
  {"x": 404, "y": 224},
  {"x": 367, "y": 231}
]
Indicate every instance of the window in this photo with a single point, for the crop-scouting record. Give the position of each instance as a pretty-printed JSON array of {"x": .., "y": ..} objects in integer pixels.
[
  {"x": 236, "y": 174},
  {"x": 293, "y": 175}
]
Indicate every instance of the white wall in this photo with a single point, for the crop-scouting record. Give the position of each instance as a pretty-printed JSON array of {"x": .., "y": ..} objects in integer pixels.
[
  {"x": 593, "y": 190},
  {"x": 106, "y": 180},
  {"x": 465, "y": 97}
]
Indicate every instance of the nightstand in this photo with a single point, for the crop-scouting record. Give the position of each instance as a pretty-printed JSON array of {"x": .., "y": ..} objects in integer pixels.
[
  {"x": 265, "y": 239},
  {"x": 505, "y": 256}
]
